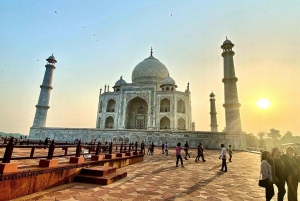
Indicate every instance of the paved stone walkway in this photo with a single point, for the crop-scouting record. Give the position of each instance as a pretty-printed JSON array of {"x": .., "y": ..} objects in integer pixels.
[{"x": 157, "y": 178}]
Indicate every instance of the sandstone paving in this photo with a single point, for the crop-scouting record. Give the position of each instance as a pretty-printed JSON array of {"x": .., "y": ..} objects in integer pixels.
[{"x": 157, "y": 178}]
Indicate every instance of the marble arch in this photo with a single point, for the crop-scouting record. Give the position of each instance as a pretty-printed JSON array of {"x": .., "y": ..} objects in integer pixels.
[{"x": 136, "y": 113}]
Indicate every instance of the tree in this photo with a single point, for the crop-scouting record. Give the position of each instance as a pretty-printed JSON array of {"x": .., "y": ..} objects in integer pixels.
[
  {"x": 274, "y": 134},
  {"x": 287, "y": 138},
  {"x": 261, "y": 135},
  {"x": 251, "y": 140}
]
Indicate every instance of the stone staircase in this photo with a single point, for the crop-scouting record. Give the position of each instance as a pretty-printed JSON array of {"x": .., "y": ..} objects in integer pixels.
[{"x": 99, "y": 175}]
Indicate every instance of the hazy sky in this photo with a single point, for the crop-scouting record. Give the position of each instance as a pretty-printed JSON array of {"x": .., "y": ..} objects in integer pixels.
[{"x": 95, "y": 42}]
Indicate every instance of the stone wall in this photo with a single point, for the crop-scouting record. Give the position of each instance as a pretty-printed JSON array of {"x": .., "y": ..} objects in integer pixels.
[{"x": 209, "y": 139}]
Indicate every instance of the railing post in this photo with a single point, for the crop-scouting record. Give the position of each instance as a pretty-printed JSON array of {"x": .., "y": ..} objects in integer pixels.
[
  {"x": 8, "y": 151},
  {"x": 51, "y": 150},
  {"x": 78, "y": 149},
  {"x": 125, "y": 147},
  {"x": 121, "y": 149},
  {"x": 130, "y": 147},
  {"x": 110, "y": 148},
  {"x": 32, "y": 152},
  {"x": 40, "y": 143},
  {"x": 98, "y": 149},
  {"x": 28, "y": 142},
  {"x": 66, "y": 151},
  {"x": 136, "y": 145}
]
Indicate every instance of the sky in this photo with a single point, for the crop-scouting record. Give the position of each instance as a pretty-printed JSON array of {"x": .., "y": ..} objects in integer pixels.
[{"x": 96, "y": 42}]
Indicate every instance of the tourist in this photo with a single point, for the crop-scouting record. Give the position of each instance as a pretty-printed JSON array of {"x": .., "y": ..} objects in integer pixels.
[
  {"x": 167, "y": 149},
  {"x": 178, "y": 154},
  {"x": 230, "y": 153},
  {"x": 163, "y": 148},
  {"x": 280, "y": 173},
  {"x": 266, "y": 174},
  {"x": 152, "y": 148},
  {"x": 143, "y": 147},
  {"x": 200, "y": 153},
  {"x": 292, "y": 173},
  {"x": 223, "y": 157},
  {"x": 186, "y": 150},
  {"x": 149, "y": 148}
]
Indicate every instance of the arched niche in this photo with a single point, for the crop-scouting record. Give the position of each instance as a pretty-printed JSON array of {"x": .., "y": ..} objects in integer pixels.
[
  {"x": 136, "y": 114},
  {"x": 165, "y": 105},
  {"x": 109, "y": 122},
  {"x": 164, "y": 123},
  {"x": 111, "y": 104},
  {"x": 181, "y": 124},
  {"x": 180, "y": 106}
]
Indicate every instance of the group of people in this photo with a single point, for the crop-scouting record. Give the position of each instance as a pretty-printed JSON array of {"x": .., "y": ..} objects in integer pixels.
[
  {"x": 280, "y": 169},
  {"x": 200, "y": 153}
]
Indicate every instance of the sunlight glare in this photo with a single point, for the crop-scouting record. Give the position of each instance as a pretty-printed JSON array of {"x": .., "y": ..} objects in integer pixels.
[{"x": 263, "y": 103}]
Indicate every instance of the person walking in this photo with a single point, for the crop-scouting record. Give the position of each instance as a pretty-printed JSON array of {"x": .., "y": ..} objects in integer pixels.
[
  {"x": 178, "y": 154},
  {"x": 280, "y": 173},
  {"x": 149, "y": 148},
  {"x": 163, "y": 148},
  {"x": 152, "y": 148},
  {"x": 292, "y": 173},
  {"x": 266, "y": 174},
  {"x": 223, "y": 157},
  {"x": 200, "y": 151},
  {"x": 167, "y": 149},
  {"x": 186, "y": 150},
  {"x": 230, "y": 153}
]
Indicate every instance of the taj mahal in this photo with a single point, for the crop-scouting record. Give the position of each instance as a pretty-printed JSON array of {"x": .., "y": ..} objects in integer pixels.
[
  {"x": 150, "y": 102},
  {"x": 148, "y": 109}
]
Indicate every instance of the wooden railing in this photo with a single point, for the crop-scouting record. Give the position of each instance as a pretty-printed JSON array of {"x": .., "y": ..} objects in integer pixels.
[{"x": 97, "y": 149}]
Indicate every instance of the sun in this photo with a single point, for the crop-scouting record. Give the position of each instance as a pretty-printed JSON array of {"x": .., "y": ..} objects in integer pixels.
[{"x": 263, "y": 103}]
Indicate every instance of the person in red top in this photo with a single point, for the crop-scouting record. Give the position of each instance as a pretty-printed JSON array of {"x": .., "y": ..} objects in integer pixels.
[{"x": 178, "y": 154}]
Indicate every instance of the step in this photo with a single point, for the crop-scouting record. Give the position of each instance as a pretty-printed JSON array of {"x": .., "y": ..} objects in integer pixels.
[
  {"x": 98, "y": 171},
  {"x": 105, "y": 180}
]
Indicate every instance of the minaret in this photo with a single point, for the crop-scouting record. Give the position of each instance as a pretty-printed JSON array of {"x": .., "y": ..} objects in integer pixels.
[
  {"x": 213, "y": 113},
  {"x": 231, "y": 105},
  {"x": 46, "y": 87}
]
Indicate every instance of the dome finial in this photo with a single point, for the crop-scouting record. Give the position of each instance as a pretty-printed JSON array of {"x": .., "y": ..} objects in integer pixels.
[
  {"x": 226, "y": 38},
  {"x": 151, "y": 52}
]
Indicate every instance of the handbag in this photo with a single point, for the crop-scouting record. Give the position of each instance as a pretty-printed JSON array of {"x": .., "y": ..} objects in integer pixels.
[{"x": 263, "y": 182}]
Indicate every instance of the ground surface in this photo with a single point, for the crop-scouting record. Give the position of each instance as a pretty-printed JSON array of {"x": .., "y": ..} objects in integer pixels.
[{"x": 157, "y": 178}]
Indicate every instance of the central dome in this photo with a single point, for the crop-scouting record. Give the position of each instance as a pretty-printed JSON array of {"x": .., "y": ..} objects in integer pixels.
[{"x": 151, "y": 70}]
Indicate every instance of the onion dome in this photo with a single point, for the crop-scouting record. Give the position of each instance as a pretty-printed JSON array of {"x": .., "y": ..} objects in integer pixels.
[
  {"x": 51, "y": 59},
  {"x": 212, "y": 94},
  {"x": 168, "y": 81},
  {"x": 119, "y": 83},
  {"x": 150, "y": 70}
]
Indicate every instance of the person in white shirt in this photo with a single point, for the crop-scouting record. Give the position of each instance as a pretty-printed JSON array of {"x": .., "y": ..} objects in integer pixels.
[{"x": 223, "y": 157}]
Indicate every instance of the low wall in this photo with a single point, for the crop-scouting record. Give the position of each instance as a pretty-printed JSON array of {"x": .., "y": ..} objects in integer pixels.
[
  {"x": 35, "y": 179},
  {"x": 209, "y": 139}
]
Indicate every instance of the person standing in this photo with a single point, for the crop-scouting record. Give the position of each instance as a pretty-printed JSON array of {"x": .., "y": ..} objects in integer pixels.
[
  {"x": 230, "y": 153},
  {"x": 266, "y": 174},
  {"x": 292, "y": 173},
  {"x": 280, "y": 173},
  {"x": 223, "y": 157},
  {"x": 143, "y": 147},
  {"x": 167, "y": 149},
  {"x": 186, "y": 150},
  {"x": 178, "y": 154},
  {"x": 163, "y": 148}
]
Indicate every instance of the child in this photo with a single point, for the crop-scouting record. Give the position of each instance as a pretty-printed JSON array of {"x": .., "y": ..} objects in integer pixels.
[{"x": 178, "y": 154}]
